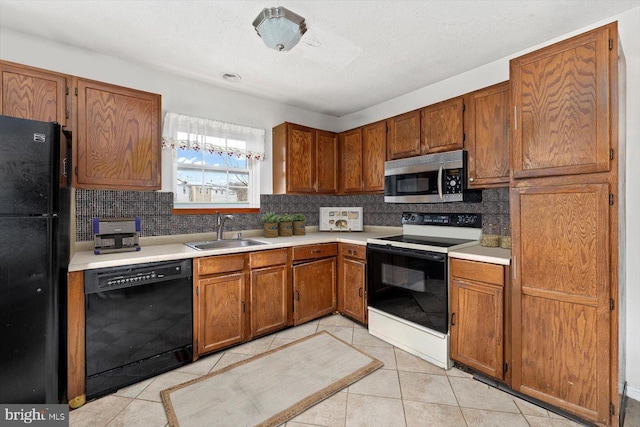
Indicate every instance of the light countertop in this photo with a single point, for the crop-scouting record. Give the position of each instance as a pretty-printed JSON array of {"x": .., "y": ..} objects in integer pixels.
[
  {"x": 169, "y": 248},
  {"x": 483, "y": 254}
]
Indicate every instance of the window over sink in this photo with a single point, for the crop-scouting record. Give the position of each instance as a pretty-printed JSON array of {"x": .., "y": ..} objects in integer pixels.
[{"x": 212, "y": 164}]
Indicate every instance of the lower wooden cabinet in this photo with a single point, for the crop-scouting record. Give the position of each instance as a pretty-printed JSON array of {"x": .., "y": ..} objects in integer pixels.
[
  {"x": 270, "y": 292},
  {"x": 477, "y": 320},
  {"x": 352, "y": 291},
  {"x": 314, "y": 282},
  {"x": 219, "y": 302}
]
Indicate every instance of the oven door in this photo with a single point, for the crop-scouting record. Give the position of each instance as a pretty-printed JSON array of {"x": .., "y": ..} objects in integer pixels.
[{"x": 409, "y": 284}]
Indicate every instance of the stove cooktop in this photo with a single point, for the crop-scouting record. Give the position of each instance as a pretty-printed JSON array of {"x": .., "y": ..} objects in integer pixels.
[{"x": 426, "y": 240}]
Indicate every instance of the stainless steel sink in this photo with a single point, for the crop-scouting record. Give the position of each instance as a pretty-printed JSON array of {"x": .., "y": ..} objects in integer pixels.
[{"x": 224, "y": 244}]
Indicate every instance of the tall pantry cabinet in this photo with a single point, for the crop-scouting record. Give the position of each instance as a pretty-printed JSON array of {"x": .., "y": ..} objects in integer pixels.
[{"x": 564, "y": 217}]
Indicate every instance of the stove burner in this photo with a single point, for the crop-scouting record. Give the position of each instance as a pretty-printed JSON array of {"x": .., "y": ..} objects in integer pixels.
[{"x": 426, "y": 240}]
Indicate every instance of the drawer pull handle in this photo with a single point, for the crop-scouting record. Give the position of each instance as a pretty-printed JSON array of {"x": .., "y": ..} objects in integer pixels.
[{"x": 316, "y": 251}]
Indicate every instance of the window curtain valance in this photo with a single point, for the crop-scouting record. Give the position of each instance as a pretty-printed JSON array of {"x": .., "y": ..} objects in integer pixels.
[{"x": 188, "y": 132}]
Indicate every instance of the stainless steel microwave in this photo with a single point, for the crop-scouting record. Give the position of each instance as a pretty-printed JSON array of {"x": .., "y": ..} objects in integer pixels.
[{"x": 433, "y": 178}]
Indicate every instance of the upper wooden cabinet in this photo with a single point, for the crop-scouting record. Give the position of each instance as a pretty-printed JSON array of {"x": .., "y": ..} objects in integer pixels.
[
  {"x": 117, "y": 140},
  {"x": 363, "y": 156},
  {"x": 304, "y": 160},
  {"x": 486, "y": 123},
  {"x": 374, "y": 146},
  {"x": 34, "y": 94},
  {"x": 327, "y": 162},
  {"x": 442, "y": 126},
  {"x": 561, "y": 98},
  {"x": 404, "y": 135},
  {"x": 351, "y": 164}
]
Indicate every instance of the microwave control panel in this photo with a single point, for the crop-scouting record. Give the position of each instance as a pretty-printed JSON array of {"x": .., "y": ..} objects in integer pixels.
[{"x": 452, "y": 181}]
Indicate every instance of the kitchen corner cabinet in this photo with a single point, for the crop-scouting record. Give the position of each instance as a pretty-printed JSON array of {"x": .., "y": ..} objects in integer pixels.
[
  {"x": 270, "y": 291},
  {"x": 562, "y": 96},
  {"x": 32, "y": 93},
  {"x": 404, "y": 135},
  {"x": 486, "y": 124},
  {"x": 220, "y": 302},
  {"x": 117, "y": 137},
  {"x": 305, "y": 160},
  {"x": 442, "y": 126},
  {"x": 314, "y": 281},
  {"x": 351, "y": 161},
  {"x": 352, "y": 290},
  {"x": 477, "y": 316}
]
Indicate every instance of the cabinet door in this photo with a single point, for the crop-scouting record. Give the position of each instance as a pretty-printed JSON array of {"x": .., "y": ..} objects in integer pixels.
[
  {"x": 352, "y": 289},
  {"x": 301, "y": 159},
  {"x": 327, "y": 161},
  {"x": 442, "y": 126},
  {"x": 33, "y": 94},
  {"x": 486, "y": 122},
  {"x": 404, "y": 136},
  {"x": 221, "y": 311},
  {"x": 314, "y": 288},
  {"x": 351, "y": 166},
  {"x": 118, "y": 139},
  {"x": 374, "y": 149},
  {"x": 270, "y": 300},
  {"x": 561, "y": 317},
  {"x": 561, "y": 97},
  {"x": 477, "y": 326}
]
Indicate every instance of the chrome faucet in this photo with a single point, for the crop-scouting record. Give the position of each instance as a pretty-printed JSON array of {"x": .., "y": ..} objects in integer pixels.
[{"x": 220, "y": 224}]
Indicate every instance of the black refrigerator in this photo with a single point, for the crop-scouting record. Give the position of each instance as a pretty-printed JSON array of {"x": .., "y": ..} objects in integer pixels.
[{"x": 34, "y": 255}]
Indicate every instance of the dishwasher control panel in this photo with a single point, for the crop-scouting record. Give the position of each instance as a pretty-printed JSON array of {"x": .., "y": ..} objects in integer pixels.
[{"x": 111, "y": 278}]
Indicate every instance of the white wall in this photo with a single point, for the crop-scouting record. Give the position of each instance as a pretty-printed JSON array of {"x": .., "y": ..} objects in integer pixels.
[
  {"x": 187, "y": 96},
  {"x": 179, "y": 95},
  {"x": 498, "y": 71}
]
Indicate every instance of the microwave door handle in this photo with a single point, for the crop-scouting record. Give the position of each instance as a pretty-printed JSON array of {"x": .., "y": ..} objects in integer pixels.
[{"x": 440, "y": 182}]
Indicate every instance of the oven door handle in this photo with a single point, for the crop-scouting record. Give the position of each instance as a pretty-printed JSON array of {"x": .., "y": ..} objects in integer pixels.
[
  {"x": 388, "y": 249},
  {"x": 440, "y": 182}
]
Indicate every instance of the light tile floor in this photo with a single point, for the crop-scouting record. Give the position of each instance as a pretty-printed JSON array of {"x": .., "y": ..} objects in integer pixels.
[{"x": 407, "y": 391}]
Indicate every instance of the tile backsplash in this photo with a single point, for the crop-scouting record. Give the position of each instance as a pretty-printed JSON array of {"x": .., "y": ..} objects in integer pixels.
[{"x": 156, "y": 218}]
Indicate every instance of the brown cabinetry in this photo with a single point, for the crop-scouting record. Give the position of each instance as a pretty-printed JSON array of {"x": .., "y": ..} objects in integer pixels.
[
  {"x": 32, "y": 93},
  {"x": 478, "y": 315},
  {"x": 363, "y": 156},
  {"x": 486, "y": 124},
  {"x": 351, "y": 164},
  {"x": 304, "y": 160},
  {"x": 564, "y": 210},
  {"x": 561, "y": 99},
  {"x": 442, "y": 126},
  {"x": 117, "y": 137},
  {"x": 314, "y": 281},
  {"x": 404, "y": 135},
  {"x": 219, "y": 302},
  {"x": 270, "y": 291},
  {"x": 352, "y": 290}
]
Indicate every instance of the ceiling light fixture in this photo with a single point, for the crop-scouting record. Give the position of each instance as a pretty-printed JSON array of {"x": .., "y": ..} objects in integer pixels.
[{"x": 279, "y": 28}]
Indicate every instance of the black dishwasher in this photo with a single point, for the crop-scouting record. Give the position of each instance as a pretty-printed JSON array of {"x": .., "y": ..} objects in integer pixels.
[{"x": 138, "y": 323}]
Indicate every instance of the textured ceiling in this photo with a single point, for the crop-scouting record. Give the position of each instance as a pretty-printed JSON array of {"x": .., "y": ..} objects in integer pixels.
[{"x": 355, "y": 54}]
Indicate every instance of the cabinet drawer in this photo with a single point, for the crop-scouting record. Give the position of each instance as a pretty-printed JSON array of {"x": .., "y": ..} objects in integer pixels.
[
  {"x": 268, "y": 258},
  {"x": 353, "y": 251},
  {"x": 221, "y": 264},
  {"x": 477, "y": 271},
  {"x": 314, "y": 251}
]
